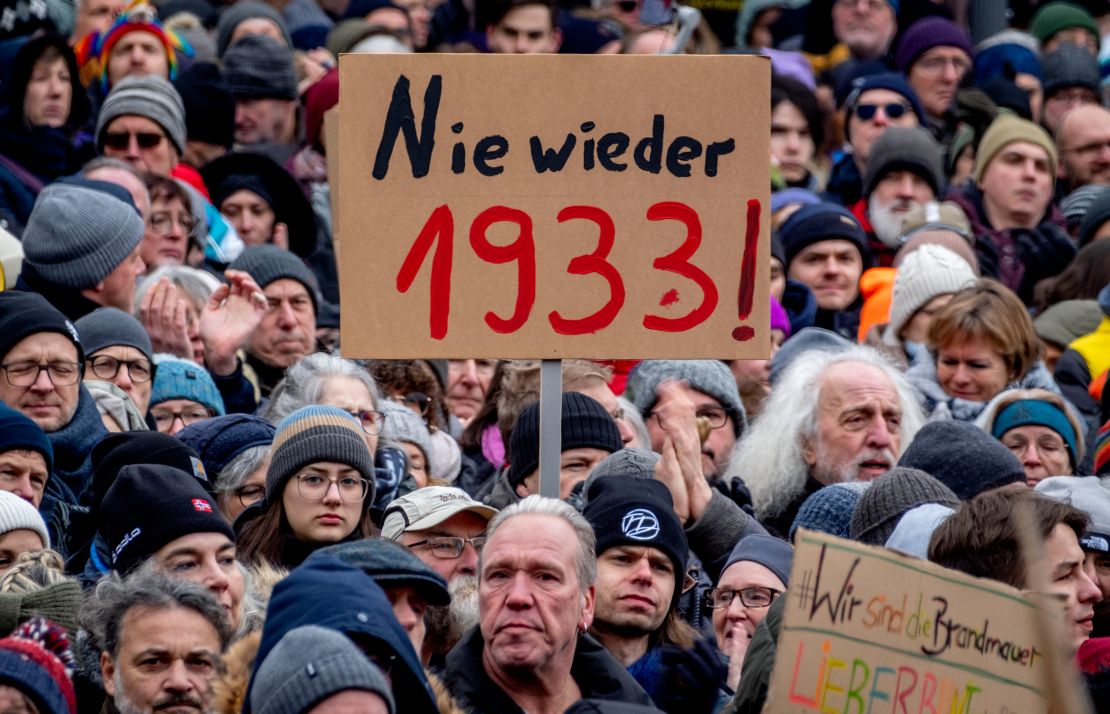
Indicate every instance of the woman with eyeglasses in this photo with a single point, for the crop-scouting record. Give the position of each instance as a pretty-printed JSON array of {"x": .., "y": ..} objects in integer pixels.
[
  {"x": 321, "y": 378},
  {"x": 755, "y": 575},
  {"x": 117, "y": 351},
  {"x": 319, "y": 488},
  {"x": 172, "y": 231},
  {"x": 183, "y": 394}
]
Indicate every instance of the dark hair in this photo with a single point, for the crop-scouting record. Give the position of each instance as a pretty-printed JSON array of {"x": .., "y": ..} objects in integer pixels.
[
  {"x": 410, "y": 375},
  {"x": 785, "y": 89},
  {"x": 982, "y": 537},
  {"x": 105, "y": 610},
  {"x": 166, "y": 189},
  {"x": 496, "y": 11},
  {"x": 267, "y": 537},
  {"x": 48, "y": 47},
  {"x": 1082, "y": 279}
]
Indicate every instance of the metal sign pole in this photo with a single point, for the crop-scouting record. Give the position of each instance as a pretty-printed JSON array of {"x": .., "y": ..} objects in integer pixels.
[{"x": 551, "y": 422}]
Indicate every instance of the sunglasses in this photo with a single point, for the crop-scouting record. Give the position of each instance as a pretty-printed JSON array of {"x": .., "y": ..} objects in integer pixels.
[
  {"x": 122, "y": 139},
  {"x": 867, "y": 112}
]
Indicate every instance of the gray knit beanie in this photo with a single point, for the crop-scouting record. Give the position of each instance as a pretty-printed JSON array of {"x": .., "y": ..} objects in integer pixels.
[
  {"x": 908, "y": 148},
  {"x": 635, "y": 463},
  {"x": 963, "y": 457},
  {"x": 402, "y": 425},
  {"x": 707, "y": 376},
  {"x": 267, "y": 263},
  {"x": 259, "y": 67},
  {"x": 245, "y": 10},
  {"x": 309, "y": 664},
  {"x": 890, "y": 497},
  {"x": 1069, "y": 66},
  {"x": 77, "y": 234},
  {"x": 110, "y": 326},
  {"x": 312, "y": 434},
  {"x": 152, "y": 97}
]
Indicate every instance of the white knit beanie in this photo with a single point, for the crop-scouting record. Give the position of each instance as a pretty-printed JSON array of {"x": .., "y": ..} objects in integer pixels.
[
  {"x": 16, "y": 514},
  {"x": 927, "y": 272}
]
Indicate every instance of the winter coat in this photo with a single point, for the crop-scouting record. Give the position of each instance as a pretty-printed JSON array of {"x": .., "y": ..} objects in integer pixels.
[
  {"x": 1018, "y": 257},
  {"x": 939, "y": 406},
  {"x": 1085, "y": 359},
  {"x": 327, "y": 592},
  {"x": 596, "y": 672},
  {"x": 845, "y": 185}
]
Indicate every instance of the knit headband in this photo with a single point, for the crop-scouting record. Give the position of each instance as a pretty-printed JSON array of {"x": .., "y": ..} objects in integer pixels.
[{"x": 1034, "y": 412}]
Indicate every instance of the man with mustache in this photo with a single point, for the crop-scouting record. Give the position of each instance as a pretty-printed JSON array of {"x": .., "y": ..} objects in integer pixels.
[
  {"x": 446, "y": 529},
  {"x": 904, "y": 173},
  {"x": 536, "y": 596},
  {"x": 287, "y": 331},
  {"x": 833, "y": 416},
  {"x": 160, "y": 643}
]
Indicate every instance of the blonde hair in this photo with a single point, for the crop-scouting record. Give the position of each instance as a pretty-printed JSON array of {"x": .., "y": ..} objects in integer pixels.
[
  {"x": 34, "y": 571},
  {"x": 990, "y": 311}
]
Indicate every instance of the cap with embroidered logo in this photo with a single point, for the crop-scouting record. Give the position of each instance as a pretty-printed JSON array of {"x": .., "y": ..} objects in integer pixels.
[{"x": 428, "y": 507}]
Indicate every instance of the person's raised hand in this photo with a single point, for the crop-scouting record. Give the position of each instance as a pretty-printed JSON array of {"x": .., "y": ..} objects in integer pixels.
[
  {"x": 668, "y": 470},
  {"x": 233, "y": 312},
  {"x": 678, "y": 419},
  {"x": 165, "y": 317}
]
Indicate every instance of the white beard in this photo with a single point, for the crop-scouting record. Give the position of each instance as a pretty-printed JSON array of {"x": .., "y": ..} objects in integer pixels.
[{"x": 886, "y": 221}]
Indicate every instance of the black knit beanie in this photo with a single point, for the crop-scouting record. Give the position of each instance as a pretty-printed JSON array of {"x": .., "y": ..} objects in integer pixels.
[
  {"x": 585, "y": 424},
  {"x": 150, "y": 506},
  {"x": 889, "y": 498},
  {"x": 115, "y": 451},
  {"x": 625, "y": 510},
  {"x": 23, "y": 314},
  {"x": 963, "y": 457}
]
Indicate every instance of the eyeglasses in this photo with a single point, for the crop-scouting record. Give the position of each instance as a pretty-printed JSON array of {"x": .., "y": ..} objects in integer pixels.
[
  {"x": 415, "y": 399},
  {"x": 162, "y": 223},
  {"x": 1088, "y": 151},
  {"x": 24, "y": 374},
  {"x": 757, "y": 597},
  {"x": 108, "y": 367},
  {"x": 894, "y": 110},
  {"x": 122, "y": 139},
  {"x": 313, "y": 487},
  {"x": 936, "y": 65},
  {"x": 716, "y": 416},
  {"x": 164, "y": 418},
  {"x": 248, "y": 495},
  {"x": 449, "y": 547},
  {"x": 371, "y": 420}
]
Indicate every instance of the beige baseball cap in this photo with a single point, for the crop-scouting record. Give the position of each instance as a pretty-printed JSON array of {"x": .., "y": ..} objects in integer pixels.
[{"x": 428, "y": 507}]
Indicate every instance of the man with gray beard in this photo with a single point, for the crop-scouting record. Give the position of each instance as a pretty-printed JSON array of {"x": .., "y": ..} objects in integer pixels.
[
  {"x": 160, "y": 643},
  {"x": 904, "y": 172},
  {"x": 446, "y": 529},
  {"x": 865, "y": 413}
]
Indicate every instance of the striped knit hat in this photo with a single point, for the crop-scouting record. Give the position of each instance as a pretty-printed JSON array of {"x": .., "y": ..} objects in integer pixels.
[
  {"x": 317, "y": 433},
  {"x": 94, "y": 50}
]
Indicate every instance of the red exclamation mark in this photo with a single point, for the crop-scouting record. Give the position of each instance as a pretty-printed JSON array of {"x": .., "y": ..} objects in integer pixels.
[{"x": 747, "y": 273}]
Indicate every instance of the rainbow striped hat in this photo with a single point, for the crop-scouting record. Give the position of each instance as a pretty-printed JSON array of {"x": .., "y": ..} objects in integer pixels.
[{"x": 94, "y": 49}]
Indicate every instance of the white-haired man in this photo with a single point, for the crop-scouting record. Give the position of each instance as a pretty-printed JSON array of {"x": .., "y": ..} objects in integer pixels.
[
  {"x": 536, "y": 602},
  {"x": 864, "y": 414}
]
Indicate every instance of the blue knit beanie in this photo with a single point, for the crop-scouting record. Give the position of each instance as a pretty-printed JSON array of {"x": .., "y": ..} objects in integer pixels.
[
  {"x": 829, "y": 510},
  {"x": 176, "y": 378},
  {"x": 220, "y": 439}
]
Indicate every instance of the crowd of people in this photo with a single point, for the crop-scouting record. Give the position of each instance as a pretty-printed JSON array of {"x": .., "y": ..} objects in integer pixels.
[{"x": 207, "y": 506}]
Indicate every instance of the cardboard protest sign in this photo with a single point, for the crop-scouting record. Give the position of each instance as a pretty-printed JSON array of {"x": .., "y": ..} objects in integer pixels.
[
  {"x": 867, "y": 630},
  {"x": 554, "y": 206}
]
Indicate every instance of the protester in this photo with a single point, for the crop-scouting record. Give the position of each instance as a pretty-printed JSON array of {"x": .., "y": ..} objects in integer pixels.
[
  {"x": 523, "y": 27},
  {"x": 530, "y": 649},
  {"x": 259, "y": 70},
  {"x": 118, "y": 350},
  {"x": 935, "y": 55},
  {"x": 926, "y": 280},
  {"x": 235, "y": 451},
  {"x": 22, "y": 530},
  {"x": 152, "y": 613},
  {"x": 36, "y": 669},
  {"x": 832, "y": 417},
  {"x": 318, "y": 487},
  {"x": 183, "y": 394},
  {"x": 26, "y": 456},
  {"x": 982, "y": 537},
  {"x": 1040, "y": 428},
  {"x": 964, "y": 458}
]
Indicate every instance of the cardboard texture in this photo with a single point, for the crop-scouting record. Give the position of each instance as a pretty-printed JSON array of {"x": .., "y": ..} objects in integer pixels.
[
  {"x": 869, "y": 630},
  {"x": 331, "y": 138},
  {"x": 635, "y": 132}
]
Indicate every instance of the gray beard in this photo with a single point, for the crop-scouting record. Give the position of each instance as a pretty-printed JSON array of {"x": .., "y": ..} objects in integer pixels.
[
  {"x": 125, "y": 706},
  {"x": 447, "y": 624}
]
